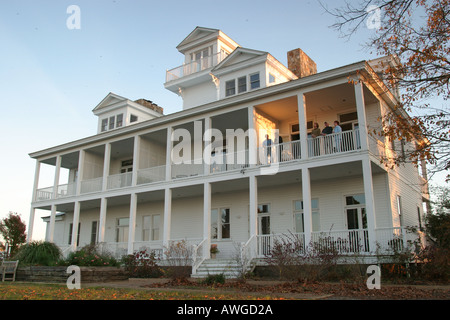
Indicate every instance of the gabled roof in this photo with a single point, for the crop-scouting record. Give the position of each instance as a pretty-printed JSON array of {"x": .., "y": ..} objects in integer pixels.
[
  {"x": 200, "y": 35},
  {"x": 239, "y": 55},
  {"x": 111, "y": 98}
]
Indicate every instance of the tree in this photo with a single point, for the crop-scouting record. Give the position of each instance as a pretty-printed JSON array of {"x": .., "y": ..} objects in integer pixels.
[
  {"x": 416, "y": 33},
  {"x": 12, "y": 228}
]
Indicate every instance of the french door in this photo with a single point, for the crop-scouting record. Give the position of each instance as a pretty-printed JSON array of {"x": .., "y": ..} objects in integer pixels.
[{"x": 357, "y": 226}]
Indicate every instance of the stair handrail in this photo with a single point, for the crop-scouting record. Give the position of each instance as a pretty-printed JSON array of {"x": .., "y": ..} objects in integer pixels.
[
  {"x": 198, "y": 258},
  {"x": 246, "y": 253}
]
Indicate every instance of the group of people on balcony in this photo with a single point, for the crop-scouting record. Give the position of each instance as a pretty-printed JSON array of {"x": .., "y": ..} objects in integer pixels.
[{"x": 328, "y": 144}]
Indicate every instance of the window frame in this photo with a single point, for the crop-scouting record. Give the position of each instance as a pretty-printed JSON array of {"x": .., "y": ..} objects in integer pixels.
[
  {"x": 252, "y": 82},
  {"x": 230, "y": 90},
  {"x": 218, "y": 236},
  {"x": 315, "y": 215}
]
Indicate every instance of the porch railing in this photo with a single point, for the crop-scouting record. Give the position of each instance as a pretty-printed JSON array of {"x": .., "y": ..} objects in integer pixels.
[
  {"x": 195, "y": 66},
  {"x": 334, "y": 143},
  {"x": 276, "y": 153},
  {"x": 120, "y": 180},
  {"x": 150, "y": 175}
]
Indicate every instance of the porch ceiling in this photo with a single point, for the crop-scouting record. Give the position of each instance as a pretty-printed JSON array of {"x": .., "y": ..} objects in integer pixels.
[{"x": 336, "y": 98}]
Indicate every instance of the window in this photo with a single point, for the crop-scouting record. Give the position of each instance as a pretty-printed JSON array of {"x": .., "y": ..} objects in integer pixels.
[
  {"x": 111, "y": 122},
  {"x": 78, "y": 233},
  {"x": 299, "y": 219},
  {"x": 220, "y": 225},
  {"x": 122, "y": 228},
  {"x": 150, "y": 227},
  {"x": 104, "y": 125},
  {"x": 254, "y": 81},
  {"x": 119, "y": 119},
  {"x": 242, "y": 84},
  {"x": 133, "y": 118},
  {"x": 94, "y": 232},
  {"x": 271, "y": 78},
  {"x": 230, "y": 88}
]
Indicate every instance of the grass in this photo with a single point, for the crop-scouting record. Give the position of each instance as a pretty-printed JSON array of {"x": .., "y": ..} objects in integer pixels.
[{"x": 27, "y": 291}]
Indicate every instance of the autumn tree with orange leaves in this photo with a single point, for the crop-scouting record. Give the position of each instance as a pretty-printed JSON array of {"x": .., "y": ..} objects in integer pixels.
[{"x": 416, "y": 33}]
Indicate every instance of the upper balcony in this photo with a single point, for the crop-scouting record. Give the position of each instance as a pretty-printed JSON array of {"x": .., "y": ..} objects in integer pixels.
[{"x": 193, "y": 67}]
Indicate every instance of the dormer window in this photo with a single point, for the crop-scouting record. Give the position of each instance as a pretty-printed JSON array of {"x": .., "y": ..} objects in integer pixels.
[
  {"x": 254, "y": 81},
  {"x": 104, "y": 125},
  {"x": 111, "y": 122},
  {"x": 133, "y": 118},
  {"x": 119, "y": 119},
  {"x": 230, "y": 88},
  {"x": 242, "y": 84}
]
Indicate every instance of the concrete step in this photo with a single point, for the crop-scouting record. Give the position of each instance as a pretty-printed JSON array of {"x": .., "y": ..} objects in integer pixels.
[{"x": 229, "y": 268}]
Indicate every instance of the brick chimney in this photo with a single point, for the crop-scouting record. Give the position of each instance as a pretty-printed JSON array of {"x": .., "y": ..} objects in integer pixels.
[
  {"x": 149, "y": 104},
  {"x": 300, "y": 64}
]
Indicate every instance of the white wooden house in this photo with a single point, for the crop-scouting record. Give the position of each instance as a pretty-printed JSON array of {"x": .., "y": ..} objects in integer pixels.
[{"x": 136, "y": 184}]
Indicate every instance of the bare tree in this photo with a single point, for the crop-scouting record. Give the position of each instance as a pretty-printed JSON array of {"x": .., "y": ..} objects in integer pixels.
[{"x": 416, "y": 33}]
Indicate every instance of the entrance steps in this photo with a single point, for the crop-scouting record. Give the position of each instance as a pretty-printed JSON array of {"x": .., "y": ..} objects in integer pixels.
[{"x": 229, "y": 268}]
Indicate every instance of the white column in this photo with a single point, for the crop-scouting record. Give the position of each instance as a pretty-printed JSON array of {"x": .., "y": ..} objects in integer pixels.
[
  {"x": 80, "y": 171},
  {"x": 136, "y": 156},
  {"x": 76, "y": 220},
  {"x": 33, "y": 199},
  {"x": 207, "y": 219},
  {"x": 167, "y": 216},
  {"x": 361, "y": 111},
  {"x": 252, "y": 140},
  {"x": 207, "y": 139},
  {"x": 302, "y": 125},
  {"x": 253, "y": 200},
  {"x": 31, "y": 225},
  {"x": 307, "y": 207},
  {"x": 106, "y": 164},
  {"x": 370, "y": 202},
  {"x": 169, "y": 154},
  {"x": 51, "y": 226},
  {"x": 132, "y": 223},
  {"x": 102, "y": 220},
  {"x": 57, "y": 172}
]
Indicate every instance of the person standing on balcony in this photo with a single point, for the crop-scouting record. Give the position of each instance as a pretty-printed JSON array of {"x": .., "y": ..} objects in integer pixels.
[
  {"x": 337, "y": 138},
  {"x": 316, "y": 142},
  {"x": 267, "y": 145},
  {"x": 327, "y": 140}
]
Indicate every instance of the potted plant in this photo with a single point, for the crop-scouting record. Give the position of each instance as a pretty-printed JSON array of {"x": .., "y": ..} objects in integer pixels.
[{"x": 213, "y": 251}]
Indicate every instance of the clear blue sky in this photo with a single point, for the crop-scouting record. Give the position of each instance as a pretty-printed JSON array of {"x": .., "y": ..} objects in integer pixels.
[{"x": 52, "y": 77}]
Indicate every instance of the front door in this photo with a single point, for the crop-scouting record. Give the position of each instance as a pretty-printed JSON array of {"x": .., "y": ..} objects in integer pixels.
[
  {"x": 357, "y": 226},
  {"x": 264, "y": 228}
]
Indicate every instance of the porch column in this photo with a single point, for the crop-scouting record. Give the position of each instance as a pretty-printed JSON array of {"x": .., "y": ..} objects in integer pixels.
[
  {"x": 33, "y": 199},
  {"x": 169, "y": 154},
  {"x": 361, "y": 111},
  {"x": 253, "y": 200},
  {"x": 252, "y": 141},
  {"x": 207, "y": 140},
  {"x": 207, "y": 219},
  {"x": 51, "y": 226},
  {"x": 136, "y": 156},
  {"x": 370, "y": 203},
  {"x": 132, "y": 223},
  {"x": 102, "y": 220},
  {"x": 307, "y": 207},
  {"x": 80, "y": 171},
  {"x": 76, "y": 220},
  {"x": 167, "y": 216},
  {"x": 56, "y": 180},
  {"x": 302, "y": 125},
  {"x": 106, "y": 165},
  {"x": 31, "y": 224}
]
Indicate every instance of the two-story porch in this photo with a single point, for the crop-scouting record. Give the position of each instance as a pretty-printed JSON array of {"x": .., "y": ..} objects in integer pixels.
[{"x": 149, "y": 187}]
